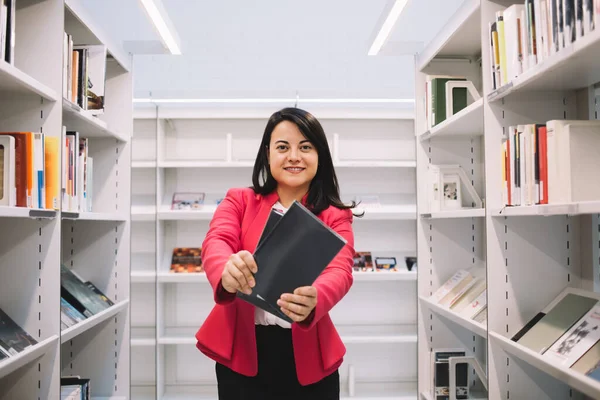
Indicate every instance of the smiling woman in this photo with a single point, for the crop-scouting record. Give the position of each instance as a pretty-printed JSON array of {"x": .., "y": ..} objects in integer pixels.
[{"x": 259, "y": 355}]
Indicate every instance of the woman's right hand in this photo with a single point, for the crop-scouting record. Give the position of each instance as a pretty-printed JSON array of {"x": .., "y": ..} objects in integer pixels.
[{"x": 237, "y": 274}]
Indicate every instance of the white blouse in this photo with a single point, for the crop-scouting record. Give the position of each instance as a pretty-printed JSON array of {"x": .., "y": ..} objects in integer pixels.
[{"x": 262, "y": 317}]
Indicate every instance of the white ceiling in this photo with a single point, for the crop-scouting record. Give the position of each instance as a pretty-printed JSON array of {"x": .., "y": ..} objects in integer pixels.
[{"x": 273, "y": 48}]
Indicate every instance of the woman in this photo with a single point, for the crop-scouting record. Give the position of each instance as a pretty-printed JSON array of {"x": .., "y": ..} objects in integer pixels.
[{"x": 258, "y": 355}]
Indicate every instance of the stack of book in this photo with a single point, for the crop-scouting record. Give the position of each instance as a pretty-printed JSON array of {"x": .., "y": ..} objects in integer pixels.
[
  {"x": 464, "y": 293},
  {"x": 551, "y": 163},
  {"x": 526, "y": 34}
]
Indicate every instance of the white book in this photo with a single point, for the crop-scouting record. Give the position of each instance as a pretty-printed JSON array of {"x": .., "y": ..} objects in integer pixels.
[
  {"x": 523, "y": 34},
  {"x": 514, "y": 66},
  {"x": 7, "y": 171},
  {"x": 577, "y": 340},
  {"x": 560, "y": 159},
  {"x": 582, "y": 162},
  {"x": 537, "y": 21},
  {"x": 454, "y": 284},
  {"x": 471, "y": 292},
  {"x": 473, "y": 308},
  {"x": 546, "y": 33}
]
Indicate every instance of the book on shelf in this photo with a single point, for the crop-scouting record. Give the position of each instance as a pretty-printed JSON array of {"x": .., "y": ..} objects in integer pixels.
[
  {"x": 33, "y": 170},
  {"x": 524, "y": 35},
  {"x": 84, "y": 75},
  {"x": 7, "y": 30},
  {"x": 77, "y": 173},
  {"x": 553, "y": 321},
  {"x": 79, "y": 294},
  {"x": 435, "y": 98},
  {"x": 464, "y": 294},
  {"x": 187, "y": 201},
  {"x": 363, "y": 261},
  {"x": 551, "y": 163},
  {"x": 449, "y": 188},
  {"x": 282, "y": 260},
  {"x": 441, "y": 374},
  {"x": 74, "y": 387},
  {"x": 575, "y": 342},
  {"x": 186, "y": 260},
  {"x": 7, "y": 171},
  {"x": 69, "y": 315},
  {"x": 13, "y": 338}
]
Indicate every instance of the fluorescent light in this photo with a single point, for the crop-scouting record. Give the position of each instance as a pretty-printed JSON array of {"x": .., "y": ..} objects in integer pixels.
[
  {"x": 161, "y": 26},
  {"x": 387, "y": 26},
  {"x": 266, "y": 101}
]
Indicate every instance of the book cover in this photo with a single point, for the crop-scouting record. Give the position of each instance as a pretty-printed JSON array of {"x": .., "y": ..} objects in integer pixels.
[
  {"x": 577, "y": 340},
  {"x": 80, "y": 296},
  {"x": 556, "y": 322},
  {"x": 284, "y": 264},
  {"x": 12, "y": 337},
  {"x": 186, "y": 260}
]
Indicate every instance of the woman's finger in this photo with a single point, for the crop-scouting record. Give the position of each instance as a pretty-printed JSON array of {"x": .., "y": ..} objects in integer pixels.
[
  {"x": 298, "y": 299},
  {"x": 241, "y": 265}
]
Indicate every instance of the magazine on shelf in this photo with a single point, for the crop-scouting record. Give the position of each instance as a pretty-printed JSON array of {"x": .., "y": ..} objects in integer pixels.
[{"x": 13, "y": 338}]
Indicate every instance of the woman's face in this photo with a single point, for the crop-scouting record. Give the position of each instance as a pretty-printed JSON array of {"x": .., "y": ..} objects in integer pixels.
[{"x": 293, "y": 160}]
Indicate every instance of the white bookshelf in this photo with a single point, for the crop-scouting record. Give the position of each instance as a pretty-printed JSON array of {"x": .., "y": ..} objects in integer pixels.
[
  {"x": 199, "y": 152},
  {"x": 529, "y": 254},
  {"x": 96, "y": 244},
  {"x": 449, "y": 240}
]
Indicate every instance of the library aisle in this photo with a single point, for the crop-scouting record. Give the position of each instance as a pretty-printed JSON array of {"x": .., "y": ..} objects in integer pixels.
[{"x": 467, "y": 132}]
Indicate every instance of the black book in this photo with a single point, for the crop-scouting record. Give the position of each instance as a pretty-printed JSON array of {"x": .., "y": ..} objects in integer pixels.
[
  {"x": 78, "y": 294},
  {"x": 293, "y": 250},
  {"x": 13, "y": 338}
]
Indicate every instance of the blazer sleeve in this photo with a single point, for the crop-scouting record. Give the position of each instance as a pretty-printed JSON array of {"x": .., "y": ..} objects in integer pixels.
[
  {"x": 335, "y": 281},
  {"x": 222, "y": 240}
]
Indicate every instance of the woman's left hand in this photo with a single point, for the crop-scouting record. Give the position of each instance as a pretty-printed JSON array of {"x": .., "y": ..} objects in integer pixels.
[{"x": 300, "y": 304}]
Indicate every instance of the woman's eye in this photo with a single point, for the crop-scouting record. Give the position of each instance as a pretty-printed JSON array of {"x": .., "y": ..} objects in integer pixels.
[
  {"x": 281, "y": 147},
  {"x": 306, "y": 147}
]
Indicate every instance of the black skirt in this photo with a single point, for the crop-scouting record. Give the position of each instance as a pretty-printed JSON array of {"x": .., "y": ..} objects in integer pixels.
[{"x": 276, "y": 378}]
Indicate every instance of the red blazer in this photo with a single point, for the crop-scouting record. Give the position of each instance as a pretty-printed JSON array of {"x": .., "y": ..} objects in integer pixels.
[{"x": 227, "y": 335}]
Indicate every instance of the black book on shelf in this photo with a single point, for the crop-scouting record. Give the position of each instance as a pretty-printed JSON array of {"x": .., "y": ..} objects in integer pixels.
[
  {"x": 78, "y": 294},
  {"x": 293, "y": 250},
  {"x": 13, "y": 338}
]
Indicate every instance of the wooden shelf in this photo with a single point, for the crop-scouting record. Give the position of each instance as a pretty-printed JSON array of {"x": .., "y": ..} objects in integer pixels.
[
  {"x": 90, "y": 322},
  {"x": 469, "y": 324},
  {"x": 467, "y": 122},
  {"x": 575, "y": 380}
]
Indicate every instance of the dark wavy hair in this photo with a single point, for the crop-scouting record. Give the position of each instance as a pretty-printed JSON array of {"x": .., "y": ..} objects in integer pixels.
[{"x": 324, "y": 189}]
